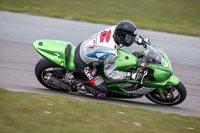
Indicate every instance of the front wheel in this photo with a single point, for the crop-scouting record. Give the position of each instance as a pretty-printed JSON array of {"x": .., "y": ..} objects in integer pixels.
[{"x": 172, "y": 95}]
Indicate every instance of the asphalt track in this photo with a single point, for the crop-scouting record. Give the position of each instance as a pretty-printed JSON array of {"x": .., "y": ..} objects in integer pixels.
[{"x": 18, "y": 57}]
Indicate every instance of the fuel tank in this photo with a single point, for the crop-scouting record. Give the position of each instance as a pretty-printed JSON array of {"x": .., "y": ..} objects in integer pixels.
[{"x": 126, "y": 60}]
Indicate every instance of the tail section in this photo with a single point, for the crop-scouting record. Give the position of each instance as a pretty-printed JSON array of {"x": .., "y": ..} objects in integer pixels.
[{"x": 59, "y": 52}]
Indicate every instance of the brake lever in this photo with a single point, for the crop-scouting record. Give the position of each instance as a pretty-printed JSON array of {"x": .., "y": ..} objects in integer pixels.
[
  {"x": 145, "y": 74},
  {"x": 144, "y": 45}
]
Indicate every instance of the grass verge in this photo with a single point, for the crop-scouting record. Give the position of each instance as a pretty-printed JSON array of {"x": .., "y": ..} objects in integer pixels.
[
  {"x": 30, "y": 113},
  {"x": 176, "y": 16}
]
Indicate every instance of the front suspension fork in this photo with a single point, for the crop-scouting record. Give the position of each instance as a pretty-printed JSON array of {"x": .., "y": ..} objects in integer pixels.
[{"x": 161, "y": 92}]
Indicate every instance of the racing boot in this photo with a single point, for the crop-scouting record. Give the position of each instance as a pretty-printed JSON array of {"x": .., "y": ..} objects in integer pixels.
[
  {"x": 101, "y": 95},
  {"x": 94, "y": 91},
  {"x": 78, "y": 85}
]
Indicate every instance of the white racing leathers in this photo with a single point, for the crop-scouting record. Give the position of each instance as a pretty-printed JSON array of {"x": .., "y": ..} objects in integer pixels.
[{"x": 101, "y": 48}]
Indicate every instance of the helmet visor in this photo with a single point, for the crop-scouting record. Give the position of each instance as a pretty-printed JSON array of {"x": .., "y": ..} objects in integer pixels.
[{"x": 127, "y": 37}]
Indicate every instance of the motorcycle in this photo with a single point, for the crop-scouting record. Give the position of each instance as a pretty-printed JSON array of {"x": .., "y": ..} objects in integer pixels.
[{"x": 158, "y": 83}]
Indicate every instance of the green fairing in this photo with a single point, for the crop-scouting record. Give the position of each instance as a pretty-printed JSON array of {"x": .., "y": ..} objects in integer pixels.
[
  {"x": 126, "y": 61},
  {"x": 172, "y": 81},
  {"x": 50, "y": 48},
  {"x": 163, "y": 75},
  {"x": 120, "y": 93},
  {"x": 160, "y": 73},
  {"x": 154, "y": 84},
  {"x": 169, "y": 68},
  {"x": 55, "y": 51}
]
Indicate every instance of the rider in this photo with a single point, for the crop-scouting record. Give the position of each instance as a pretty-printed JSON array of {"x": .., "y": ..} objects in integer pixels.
[{"x": 102, "y": 48}]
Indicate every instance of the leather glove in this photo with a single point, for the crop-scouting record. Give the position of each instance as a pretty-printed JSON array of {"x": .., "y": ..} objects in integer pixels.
[
  {"x": 143, "y": 41},
  {"x": 135, "y": 75}
]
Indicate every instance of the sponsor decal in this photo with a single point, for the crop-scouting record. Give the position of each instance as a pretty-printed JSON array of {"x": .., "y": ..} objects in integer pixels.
[
  {"x": 94, "y": 42},
  {"x": 87, "y": 73},
  {"x": 56, "y": 56},
  {"x": 105, "y": 34}
]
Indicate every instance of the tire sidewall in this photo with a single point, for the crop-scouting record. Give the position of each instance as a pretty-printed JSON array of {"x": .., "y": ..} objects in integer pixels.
[
  {"x": 41, "y": 65},
  {"x": 179, "y": 87}
]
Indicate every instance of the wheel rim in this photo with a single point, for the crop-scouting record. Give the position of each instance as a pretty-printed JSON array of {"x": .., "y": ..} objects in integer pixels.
[
  {"x": 46, "y": 72},
  {"x": 172, "y": 96}
]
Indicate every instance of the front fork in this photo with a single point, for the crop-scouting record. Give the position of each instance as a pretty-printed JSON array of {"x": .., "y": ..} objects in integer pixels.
[
  {"x": 173, "y": 81},
  {"x": 160, "y": 91},
  {"x": 165, "y": 93}
]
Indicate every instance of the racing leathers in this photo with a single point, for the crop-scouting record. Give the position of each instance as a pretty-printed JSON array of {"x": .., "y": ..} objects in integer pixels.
[{"x": 99, "y": 49}]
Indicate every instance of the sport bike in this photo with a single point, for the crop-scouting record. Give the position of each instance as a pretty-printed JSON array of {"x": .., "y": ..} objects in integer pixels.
[{"x": 158, "y": 83}]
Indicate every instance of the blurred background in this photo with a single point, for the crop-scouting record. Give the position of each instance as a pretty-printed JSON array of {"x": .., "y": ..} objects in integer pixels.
[
  {"x": 173, "y": 25},
  {"x": 176, "y": 16}
]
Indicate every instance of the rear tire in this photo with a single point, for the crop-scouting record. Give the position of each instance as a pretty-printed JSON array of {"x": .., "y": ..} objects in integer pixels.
[
  {"x": 40, "y": 67},
  {"x": 180, "y": 88}
]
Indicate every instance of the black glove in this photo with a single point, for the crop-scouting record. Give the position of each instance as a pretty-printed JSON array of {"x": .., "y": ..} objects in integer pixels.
[
  {"x": 143, "y": 41},
  {"x": 136, "y": 75}
]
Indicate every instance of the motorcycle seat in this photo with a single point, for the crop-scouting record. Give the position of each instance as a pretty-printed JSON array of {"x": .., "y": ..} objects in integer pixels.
[{"x": 68, "y": 53}]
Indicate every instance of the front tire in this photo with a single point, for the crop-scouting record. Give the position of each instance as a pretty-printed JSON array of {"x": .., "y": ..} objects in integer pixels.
[{"x": 173, "y": 99}]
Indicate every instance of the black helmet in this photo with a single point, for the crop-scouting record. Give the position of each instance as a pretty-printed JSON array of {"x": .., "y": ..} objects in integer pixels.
[{"x": 125, "y": 33}]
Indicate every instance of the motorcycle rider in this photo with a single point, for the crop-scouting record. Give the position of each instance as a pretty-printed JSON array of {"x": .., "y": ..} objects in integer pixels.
[{"x": 102, "y": 48}]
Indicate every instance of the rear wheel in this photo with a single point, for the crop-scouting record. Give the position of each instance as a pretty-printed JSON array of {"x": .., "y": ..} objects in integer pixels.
[
  {"x": 46, "y": 68},
  {"x": 172, "y": 95}
]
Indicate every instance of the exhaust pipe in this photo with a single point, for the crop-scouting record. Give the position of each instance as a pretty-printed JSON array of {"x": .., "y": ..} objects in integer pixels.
[{"x": 55, "y": 82}]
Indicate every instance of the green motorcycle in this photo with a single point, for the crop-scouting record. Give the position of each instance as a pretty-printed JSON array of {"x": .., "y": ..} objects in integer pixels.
[{"x": 158, "y": 83}]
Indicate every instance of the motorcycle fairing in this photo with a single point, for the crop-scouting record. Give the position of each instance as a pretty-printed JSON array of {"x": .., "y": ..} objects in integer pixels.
[
  {"x": 59, "y": 52},
  {"x": 126, "y": 60}
]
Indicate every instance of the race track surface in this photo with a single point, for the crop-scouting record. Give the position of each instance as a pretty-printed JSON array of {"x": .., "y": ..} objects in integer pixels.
[{"x": 18, "y": 57}]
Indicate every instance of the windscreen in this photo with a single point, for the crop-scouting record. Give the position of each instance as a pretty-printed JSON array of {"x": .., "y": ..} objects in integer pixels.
[{"x": 152, "y": 56}]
